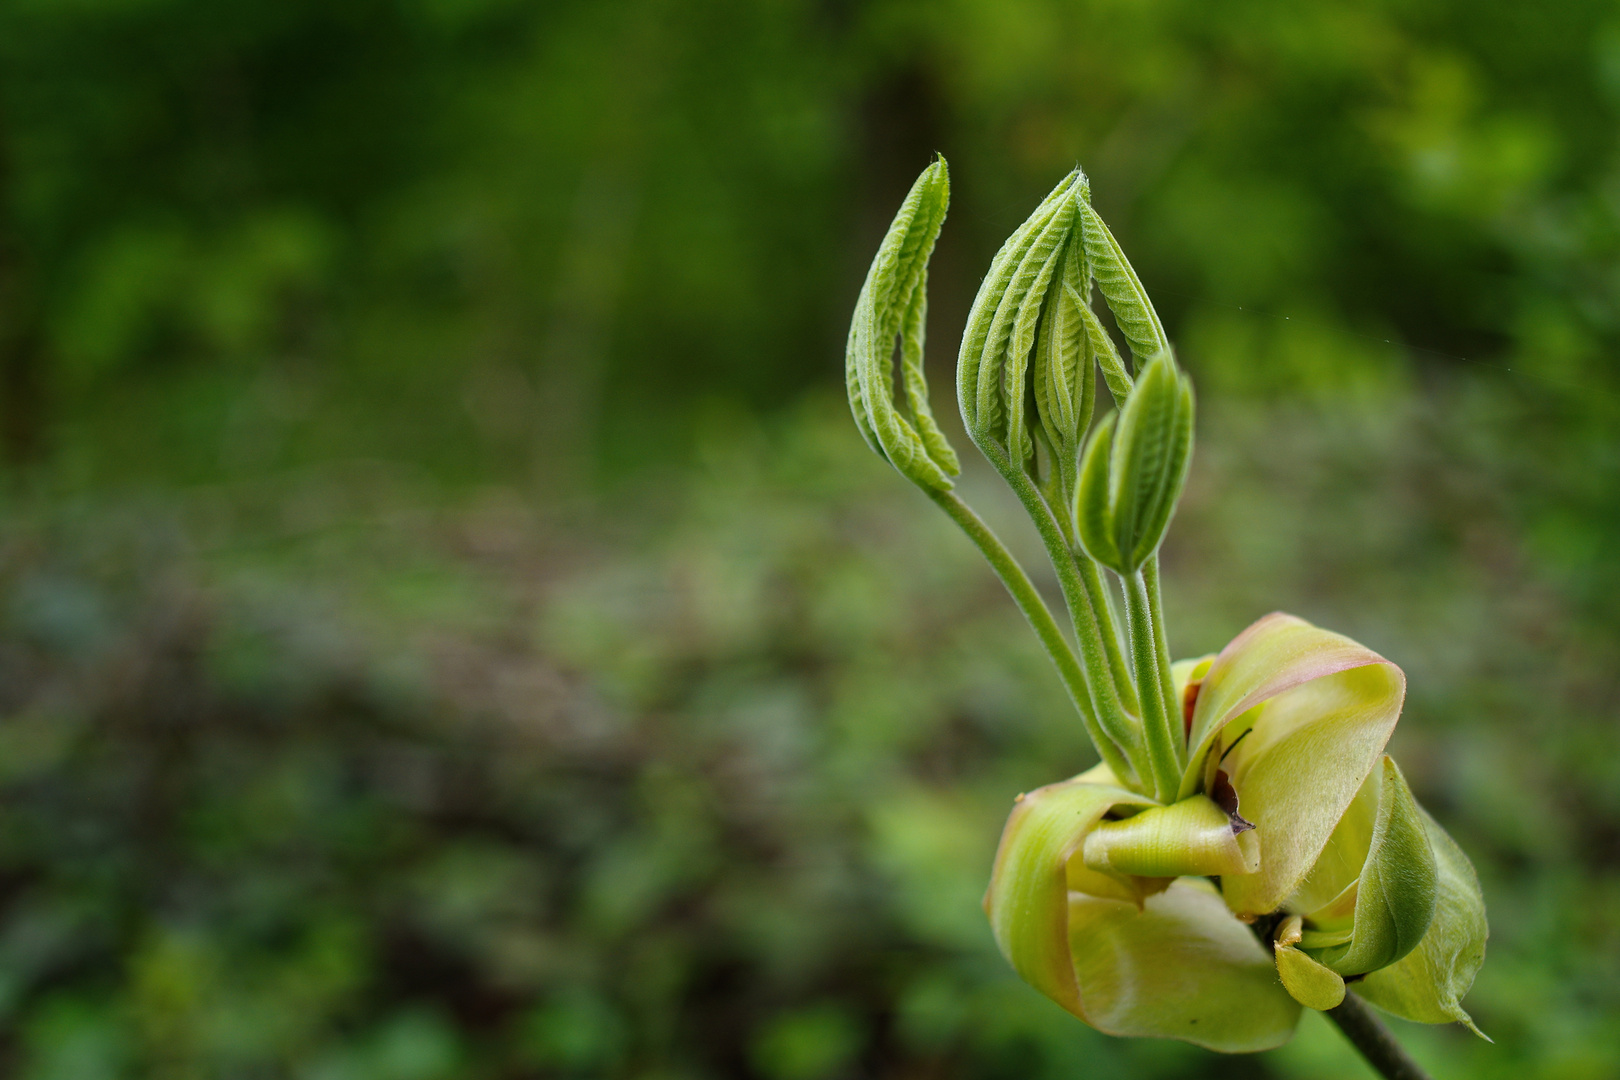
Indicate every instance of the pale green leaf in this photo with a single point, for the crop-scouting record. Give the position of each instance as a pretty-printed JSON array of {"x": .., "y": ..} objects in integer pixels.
[
  {"x": 1028, "y": 897},
  {"x": 1179, "y": 967}
]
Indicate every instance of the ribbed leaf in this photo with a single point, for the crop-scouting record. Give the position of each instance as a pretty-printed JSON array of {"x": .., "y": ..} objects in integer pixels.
[
  {"x": 1000, "y": 389},
  {"x": 893, "y": 305},
  {"x": 1428, "y": 984},
  {"x": 978, "y": 390},
  {"x": 1064, "y": 375},
  {"x": 1121, "y": 288},
  {"x": 1015, "y": 363},
  {"x": 1107, "y": 356}
]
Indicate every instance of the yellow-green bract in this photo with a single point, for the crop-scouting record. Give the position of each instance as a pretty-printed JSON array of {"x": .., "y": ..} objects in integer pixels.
[{"x": 1099, "y": 894}]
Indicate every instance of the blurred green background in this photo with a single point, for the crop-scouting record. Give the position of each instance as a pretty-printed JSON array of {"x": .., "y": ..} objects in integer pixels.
[{"x": 450, "y": 627}]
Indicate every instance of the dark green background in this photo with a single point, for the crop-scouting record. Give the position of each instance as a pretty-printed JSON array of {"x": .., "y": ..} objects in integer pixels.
[{"x": 450, "y": 627}]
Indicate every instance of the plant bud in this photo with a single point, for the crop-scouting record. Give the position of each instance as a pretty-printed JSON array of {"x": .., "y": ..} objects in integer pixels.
[{"x": 1135, "y": 467}]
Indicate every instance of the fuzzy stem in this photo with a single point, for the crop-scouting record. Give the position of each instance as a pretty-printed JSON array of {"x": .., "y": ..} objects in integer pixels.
[
  {"x": 1040, "y": 618},
  {"x": 1161, "y": 647},
  {"x": 1120, "y": 725},
  {"x": 1375, "y": 1041},
  {"x": 1161, "y": 746},
  {"x": 1103, "y": 604}
]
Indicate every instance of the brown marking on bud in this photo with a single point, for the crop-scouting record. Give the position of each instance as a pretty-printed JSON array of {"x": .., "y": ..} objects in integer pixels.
[
  {"x": 1189, "y": 702},
  {"x": 1225, "y": 796}
]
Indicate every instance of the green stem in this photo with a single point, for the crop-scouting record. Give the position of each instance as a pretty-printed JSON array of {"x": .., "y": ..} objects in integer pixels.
[
  {"x": 1111, "y": 714},
  {"x": 1103, "y": 604},
  {"x": 1046, "y": 628},
  {"x": 1161, "y": 748},
  {"x": 1097, "y": 598},
  {"x": 1375, "y": 1041},
  {"x": 1161, "y": 646}
]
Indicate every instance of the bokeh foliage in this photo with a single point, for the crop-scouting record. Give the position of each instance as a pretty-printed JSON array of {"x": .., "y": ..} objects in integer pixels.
[{"x": 450, "y": 628}]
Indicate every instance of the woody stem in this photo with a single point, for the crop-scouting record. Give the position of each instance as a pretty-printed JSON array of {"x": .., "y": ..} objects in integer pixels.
[{"x": 1375, "y": 1041}]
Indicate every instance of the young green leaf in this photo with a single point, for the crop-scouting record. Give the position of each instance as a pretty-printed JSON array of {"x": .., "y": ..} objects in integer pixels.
[
  {"x": 981, "y": 377},
  {"x": 1428, "y": 984},
  {"x": 1395, "y": 898},
  {"x": 1094, "y": 515},
  {"x": 893, "y": 305}
]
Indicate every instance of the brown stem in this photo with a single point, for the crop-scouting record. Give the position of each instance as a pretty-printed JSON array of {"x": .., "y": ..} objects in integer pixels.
[{"x": 1375, "y": 1041}]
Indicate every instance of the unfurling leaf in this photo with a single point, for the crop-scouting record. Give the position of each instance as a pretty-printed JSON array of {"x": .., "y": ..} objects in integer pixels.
[
  {"x": 1120, "y": 286},
  {"x": 992, "y": 368},
  {"x": 893, "y": 307}
]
